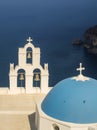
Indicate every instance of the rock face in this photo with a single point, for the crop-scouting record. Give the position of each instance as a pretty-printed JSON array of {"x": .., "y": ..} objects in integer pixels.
[{"x": 90, "y": 42}]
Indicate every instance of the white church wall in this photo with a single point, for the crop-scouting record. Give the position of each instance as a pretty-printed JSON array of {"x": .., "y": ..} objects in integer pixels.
[
  {"x": 37, "y": 119},
  {"x": 4, "y": 90},
  {"x": 28, "y": 76},
  {"x": 49, "y": 124},
  {"x": 80, "y": 128},
  {"x": 44, "y": 84},
  {"x": 29, "y": 88},
  {"x": 17, "y": 90},
  {"x": 22, "y": 57},
  {"x": 36, "y": 57}
]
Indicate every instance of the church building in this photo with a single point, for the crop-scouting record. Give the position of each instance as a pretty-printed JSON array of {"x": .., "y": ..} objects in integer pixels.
[
  {"x": 70, "y": 105},
  {"x": 28, "y": 76}
]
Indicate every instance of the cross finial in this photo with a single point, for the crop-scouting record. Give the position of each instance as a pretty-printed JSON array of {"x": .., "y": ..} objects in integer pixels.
[
  {"x": 29, "y": 40},
  {"x": 80, "y": 77},
  {"x": 80, "y": 69}
]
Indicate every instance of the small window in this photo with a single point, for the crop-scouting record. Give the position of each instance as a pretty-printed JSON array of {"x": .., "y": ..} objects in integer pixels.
[{"x": 55, "y": 127}]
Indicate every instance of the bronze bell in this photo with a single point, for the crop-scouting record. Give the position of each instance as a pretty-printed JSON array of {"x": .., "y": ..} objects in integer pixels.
[
  {"x": 29, "y": 55},
  {"x": 21, "y": 76},
  {"x": 36, "y": 77}
]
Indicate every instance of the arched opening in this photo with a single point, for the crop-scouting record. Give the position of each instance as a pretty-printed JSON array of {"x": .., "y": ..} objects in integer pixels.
[
  {"x": 21, "y": 78},
  {"x": 36, "y": 78},
  {"x": 29, "y": 55},
  {"x": 55, "y": 127}
]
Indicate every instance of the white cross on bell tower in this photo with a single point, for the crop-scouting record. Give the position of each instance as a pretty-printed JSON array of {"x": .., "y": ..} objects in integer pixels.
[
  {"x": 80, "y": 69},
  {"x": 29, "y": 40}
]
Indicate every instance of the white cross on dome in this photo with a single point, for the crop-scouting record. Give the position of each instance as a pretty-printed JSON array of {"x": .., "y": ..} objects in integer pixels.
[
  {"x": 80, "y": 69},
  {"x": 80, "y": 77}
]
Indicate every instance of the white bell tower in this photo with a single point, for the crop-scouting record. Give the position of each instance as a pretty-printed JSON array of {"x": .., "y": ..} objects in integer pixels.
[{"x": 28, "y": 76}]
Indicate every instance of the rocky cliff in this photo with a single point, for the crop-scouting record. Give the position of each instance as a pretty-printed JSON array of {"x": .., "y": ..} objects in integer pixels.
[{"x": 90, "y": 40}]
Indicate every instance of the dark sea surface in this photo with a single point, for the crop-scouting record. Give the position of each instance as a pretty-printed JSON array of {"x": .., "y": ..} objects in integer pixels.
[{"x": 53, "y": 25}]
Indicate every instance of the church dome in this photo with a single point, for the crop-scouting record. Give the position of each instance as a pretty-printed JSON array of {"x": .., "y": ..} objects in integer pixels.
[{"x": 73, "y": 100}]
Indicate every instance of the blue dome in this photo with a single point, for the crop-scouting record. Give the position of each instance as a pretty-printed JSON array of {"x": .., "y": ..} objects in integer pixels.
[{"x": 72, "y": 101}]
